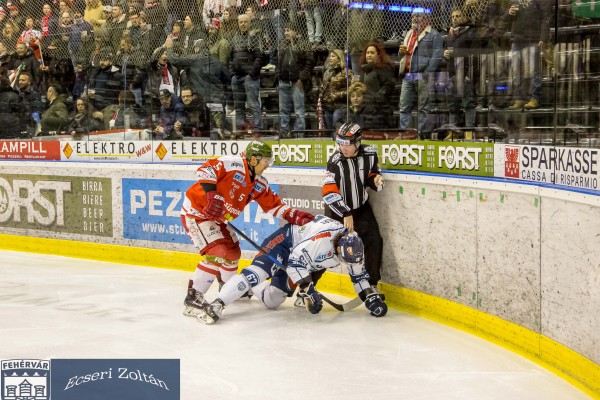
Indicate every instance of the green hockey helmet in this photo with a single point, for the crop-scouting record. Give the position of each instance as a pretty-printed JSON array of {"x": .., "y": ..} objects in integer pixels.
[{"x": 260, "y": 150}]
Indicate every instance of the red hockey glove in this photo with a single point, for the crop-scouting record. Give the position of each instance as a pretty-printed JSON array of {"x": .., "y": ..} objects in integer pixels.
[
  {"x": 298, "y": 217},
  {"x": 214, "y": 206}
]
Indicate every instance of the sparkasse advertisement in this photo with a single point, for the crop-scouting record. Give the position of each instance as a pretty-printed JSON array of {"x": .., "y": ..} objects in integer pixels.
[{"x": 565, "y": 166}]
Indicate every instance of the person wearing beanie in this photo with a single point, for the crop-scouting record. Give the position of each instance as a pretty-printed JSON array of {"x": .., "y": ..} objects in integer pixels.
[{"x": 218, "y": 46}]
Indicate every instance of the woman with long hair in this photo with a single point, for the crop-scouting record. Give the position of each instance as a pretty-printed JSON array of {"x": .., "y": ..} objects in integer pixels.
[
  {"x": 377, "y": 73},
  {"x": 85, "y": 119},
  {"x": 333, "y": 90}
]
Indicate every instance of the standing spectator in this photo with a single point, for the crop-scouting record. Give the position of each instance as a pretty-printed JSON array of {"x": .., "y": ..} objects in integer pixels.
[
  {"x": 56, "y": 117},
  {"x": 218, "y": 45},
  {"x": 11, "y": 108},
  {"x": 314, "y": 21},
  {"x": 229, "y": 24},
  {"x": 351, "y": 170},
  {"x": 421, "y": 52},
  {"x": 32, "y": 102},
  {"x": 209, "y": 78},
  {"x": 172, "y": 117},
  {"x": 115, "y": 28},
  {"x": 49, "y": 23},
  {"x": 158, "y": 74},
  {"x": 294, "y": 68},
  {"x": 133, "y": 27},
  {"x": 79, "y": 26},
  {"x": 15, "y": 17},
  {"x": 212, "y": 9},
  {"x": 10, "y": 36},
  {"x": 462, "y": 50},
  {"x": 333, "y": 90},
  {"x": 24, "y": 55},
  {"x": 189, "y": 34},
  {"x": 94, "y": 14},
  {"x": 106, "y": 81},
  {"x": 528, "y": 23},
  {"x": 246, "y": 61},
  {"x": 225, "y": 186},
  {"x": 378, "y": 75}
]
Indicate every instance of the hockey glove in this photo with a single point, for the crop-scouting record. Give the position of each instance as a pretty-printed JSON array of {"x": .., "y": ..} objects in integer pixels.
[
  {"x": 375, "y": 304},
  {"x": 298, "y": 217},
  {"x": 312, "y": 298},
  {"x": 214, "y": 207}
]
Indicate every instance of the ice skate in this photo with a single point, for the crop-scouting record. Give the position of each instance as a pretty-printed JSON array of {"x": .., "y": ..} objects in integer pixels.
[
  {"x": 210, "y": 313},
  {"x": 193, "y": 302}
]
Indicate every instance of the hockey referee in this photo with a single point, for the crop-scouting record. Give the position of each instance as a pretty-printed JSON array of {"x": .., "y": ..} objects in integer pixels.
[{"x": 353, "y": 168}]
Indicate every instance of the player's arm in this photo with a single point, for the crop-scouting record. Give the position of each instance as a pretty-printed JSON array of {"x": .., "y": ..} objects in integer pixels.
[
  {"x": 331, "y": 191},
  {"x": 271, "y": 203},
  {"x": 208, "y": 175}
]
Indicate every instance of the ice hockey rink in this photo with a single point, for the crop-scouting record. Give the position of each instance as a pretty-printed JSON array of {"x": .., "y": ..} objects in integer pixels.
[{"x": 57, "y": 307}]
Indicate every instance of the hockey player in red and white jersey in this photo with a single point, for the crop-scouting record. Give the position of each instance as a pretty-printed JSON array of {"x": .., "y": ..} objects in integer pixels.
[
  {"x": 225, "y": 186},
  {"x": 300, "y": 252}
]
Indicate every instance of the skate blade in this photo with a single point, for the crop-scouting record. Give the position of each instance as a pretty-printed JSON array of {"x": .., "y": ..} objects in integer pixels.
[
  {"x": 206, "y": 317},
  {"x": 191, "y": 311},
  {"x": 299, "y": 302}
]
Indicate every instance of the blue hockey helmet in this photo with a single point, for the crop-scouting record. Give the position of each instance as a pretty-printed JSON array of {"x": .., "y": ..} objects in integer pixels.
[{"x": 350, "y": 248}]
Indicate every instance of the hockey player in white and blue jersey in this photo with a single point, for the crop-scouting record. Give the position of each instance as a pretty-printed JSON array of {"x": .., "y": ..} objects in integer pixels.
[{"x": 300, "y": 251}]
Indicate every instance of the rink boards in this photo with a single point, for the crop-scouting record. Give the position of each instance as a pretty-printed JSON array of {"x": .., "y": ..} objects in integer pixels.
[{"x": 513, "y": 262}]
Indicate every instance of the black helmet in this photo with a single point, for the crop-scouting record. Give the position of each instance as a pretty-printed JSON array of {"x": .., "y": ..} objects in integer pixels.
[{"x": 348, "y": 133}]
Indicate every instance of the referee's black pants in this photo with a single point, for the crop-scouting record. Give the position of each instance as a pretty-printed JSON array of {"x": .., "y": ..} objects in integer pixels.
[{"x": 365, "y": 224}]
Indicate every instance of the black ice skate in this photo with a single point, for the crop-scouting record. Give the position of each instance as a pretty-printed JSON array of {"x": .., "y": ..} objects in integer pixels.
[
  {"x": 193, "y": 302},
  {"x": 210, "y": 313}
]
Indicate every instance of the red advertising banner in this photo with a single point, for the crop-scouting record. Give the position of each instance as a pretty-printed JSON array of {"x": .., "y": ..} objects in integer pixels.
[{"x": 29, "y": 150}]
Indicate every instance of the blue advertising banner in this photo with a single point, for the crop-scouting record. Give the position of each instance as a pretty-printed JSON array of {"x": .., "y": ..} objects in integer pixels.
[
  {"x": 151, "y": 212},
  {"x": 90, "y": 379}
]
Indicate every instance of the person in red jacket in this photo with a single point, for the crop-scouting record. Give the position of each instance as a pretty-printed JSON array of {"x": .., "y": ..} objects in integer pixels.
[{"x": 225, "y": 186}]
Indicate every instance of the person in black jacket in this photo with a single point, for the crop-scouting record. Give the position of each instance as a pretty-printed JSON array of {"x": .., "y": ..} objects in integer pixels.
[
  {"x": 294, "y": 66},
  {"x": 377, "y": 73},
  {"x": 32, "y": 102},
  {"x": 246, "y": 62},
  {"x": 56, "y": 117},
  {"x": 11, "y": 108},
  {"x": 463, "y": 46},
  {"x": 106, "y": 81}
]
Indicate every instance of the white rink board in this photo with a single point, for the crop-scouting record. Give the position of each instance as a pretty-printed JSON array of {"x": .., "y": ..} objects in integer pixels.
[{"x": 511, "y": 249}]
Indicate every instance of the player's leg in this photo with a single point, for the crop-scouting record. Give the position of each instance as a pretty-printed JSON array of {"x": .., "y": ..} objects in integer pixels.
[
  {"x": 212, "y": 240},
  {"x": 273, "y": 294}
]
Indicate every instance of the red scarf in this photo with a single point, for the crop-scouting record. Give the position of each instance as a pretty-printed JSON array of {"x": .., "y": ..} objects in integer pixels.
[{"x": 165, "y": 74}]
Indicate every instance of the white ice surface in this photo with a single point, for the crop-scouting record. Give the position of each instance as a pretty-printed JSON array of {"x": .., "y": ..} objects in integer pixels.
[{"x": 57, "y": 307}]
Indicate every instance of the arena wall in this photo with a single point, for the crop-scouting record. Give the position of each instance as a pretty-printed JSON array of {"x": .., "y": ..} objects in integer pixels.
[{"x": 513, "y": 262}]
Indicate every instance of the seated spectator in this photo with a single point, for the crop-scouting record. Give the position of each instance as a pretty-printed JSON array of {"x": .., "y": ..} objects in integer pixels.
[
  {"x": 333, "y": 90},
  {"x": 11, "y": 108},
  {"x": 125, "y": 115},
  {"x": 194, "y": 112},
  {"x": 359, "y": 112},
  {"x": 56, "y": 117},
  {"x": 85, "y": 119},
  {"x": 377, "y": 73},
  {"x": 172, "y": 117}
]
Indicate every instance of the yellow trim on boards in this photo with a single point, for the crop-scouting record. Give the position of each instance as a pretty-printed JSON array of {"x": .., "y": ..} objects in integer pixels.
[{"x": 564, "y": 362}]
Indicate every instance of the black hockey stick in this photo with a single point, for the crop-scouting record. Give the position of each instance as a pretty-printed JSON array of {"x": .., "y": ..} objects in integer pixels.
[{"x": 340, "y": 307}]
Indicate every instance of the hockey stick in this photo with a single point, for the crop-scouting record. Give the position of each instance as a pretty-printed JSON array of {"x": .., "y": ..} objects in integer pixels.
[{"x": 340, "y": 307}]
